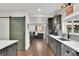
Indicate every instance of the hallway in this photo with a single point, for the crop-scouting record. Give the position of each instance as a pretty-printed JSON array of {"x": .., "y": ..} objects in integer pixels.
[{"x": 37, "y": 48}]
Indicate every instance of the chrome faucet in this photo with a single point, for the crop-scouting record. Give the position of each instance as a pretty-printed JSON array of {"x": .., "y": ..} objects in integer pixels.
[{"x": 68, "y": 35}]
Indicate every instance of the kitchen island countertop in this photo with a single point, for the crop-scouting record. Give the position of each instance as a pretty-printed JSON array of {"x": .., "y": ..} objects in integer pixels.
[{"x": 6, "y": 43}]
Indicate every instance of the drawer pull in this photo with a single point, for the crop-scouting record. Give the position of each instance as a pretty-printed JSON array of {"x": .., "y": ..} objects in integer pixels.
[{"x": 67, "y": 52}]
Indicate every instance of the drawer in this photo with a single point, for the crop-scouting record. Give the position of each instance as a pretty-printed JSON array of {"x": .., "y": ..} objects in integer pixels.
[
  {"x": 3, "y": 52},
  {"x": 11, "y": 50}
]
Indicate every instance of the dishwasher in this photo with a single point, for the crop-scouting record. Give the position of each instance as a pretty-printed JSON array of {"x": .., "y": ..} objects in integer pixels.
[{"x": 67, "y": 51}]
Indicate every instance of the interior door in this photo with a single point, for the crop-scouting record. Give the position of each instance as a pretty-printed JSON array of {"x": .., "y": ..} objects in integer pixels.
[{"x": 17, "y": 31}]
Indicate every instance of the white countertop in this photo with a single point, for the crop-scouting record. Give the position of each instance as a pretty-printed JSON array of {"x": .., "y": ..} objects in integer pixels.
[
  {"x": 71, "y": 43},
  {"x": 5, "y": 43}
]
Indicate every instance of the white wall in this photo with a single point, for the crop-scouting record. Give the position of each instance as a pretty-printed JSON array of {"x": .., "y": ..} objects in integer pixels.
[
  {"x": 27, "y": 33},
  {"x": 14, "y": 13},
  {"x": 76, "y": 7},
  {"x": 4, "y": 28}
]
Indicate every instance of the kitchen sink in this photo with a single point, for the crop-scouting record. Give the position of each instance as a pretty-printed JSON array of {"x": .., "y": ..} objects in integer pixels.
[{"x": 63, "y": 39}]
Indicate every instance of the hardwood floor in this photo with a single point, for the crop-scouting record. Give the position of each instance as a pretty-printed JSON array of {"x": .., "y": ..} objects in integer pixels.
[{"x": 37, "y": 48}]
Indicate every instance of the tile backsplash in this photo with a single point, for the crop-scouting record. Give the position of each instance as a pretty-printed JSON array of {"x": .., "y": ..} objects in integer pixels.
[{"x": 73, "y": 37}]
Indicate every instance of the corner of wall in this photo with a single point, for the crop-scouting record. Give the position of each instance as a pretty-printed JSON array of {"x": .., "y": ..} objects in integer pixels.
[{"x": 27, "y": 39}]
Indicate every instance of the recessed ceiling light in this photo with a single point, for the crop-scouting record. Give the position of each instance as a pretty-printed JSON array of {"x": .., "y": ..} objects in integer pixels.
[{"x": 39, "y": 9}]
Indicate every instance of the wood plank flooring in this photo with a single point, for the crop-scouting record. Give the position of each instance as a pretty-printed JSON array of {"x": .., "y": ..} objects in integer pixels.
[{"x": 37, "y": 48}]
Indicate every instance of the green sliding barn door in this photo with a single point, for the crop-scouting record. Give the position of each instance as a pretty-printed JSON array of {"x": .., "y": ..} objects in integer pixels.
[{"x": 17, "y": 31}]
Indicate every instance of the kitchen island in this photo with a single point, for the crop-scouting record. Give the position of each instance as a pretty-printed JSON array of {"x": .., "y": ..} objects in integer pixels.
[{"x": 8, "y": 47}]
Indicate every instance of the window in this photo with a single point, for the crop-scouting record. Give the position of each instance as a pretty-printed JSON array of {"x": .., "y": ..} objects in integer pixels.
[
  {"x": 72, "y": 26},
  {"x": 76, "y": 26},
  {"x": 69, "y": 26}
]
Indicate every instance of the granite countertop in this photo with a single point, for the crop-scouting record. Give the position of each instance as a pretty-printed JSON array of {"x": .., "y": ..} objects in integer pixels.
[
  {"x": 6, "y": 43},
  {"x": 71, "y": 43}
]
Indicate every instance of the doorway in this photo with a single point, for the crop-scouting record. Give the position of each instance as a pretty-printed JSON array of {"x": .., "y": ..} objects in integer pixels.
[{"x": 17, "y": 31}]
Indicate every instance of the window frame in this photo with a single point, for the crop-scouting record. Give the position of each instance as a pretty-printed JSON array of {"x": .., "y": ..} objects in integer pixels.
[{"x": 72, "y": 26}]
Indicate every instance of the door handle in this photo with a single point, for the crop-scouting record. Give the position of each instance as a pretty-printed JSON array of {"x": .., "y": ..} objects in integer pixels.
[
  {"x": 67, "y": 52},
  {"x": 23, "y": 33}
]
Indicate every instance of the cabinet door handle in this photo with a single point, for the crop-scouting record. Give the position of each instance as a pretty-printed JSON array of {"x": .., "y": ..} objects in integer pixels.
[
  {"x": 23, "y": 33},
  {"x": 67, "y": 52}
]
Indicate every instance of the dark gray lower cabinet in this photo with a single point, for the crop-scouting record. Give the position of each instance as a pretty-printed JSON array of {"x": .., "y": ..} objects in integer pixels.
[
  {"x": 3, "y": 52},
  {"x": 9, "y": 51},
  {"x": 52, "y": 44},
  {"x": 58, "y": 49},
  {"x": 55, "y": 45},
  {"x": 61, "y": 49}
]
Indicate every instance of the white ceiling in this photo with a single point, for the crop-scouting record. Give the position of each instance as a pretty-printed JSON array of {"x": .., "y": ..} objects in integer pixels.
[{"x": 31, "y": 8}]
